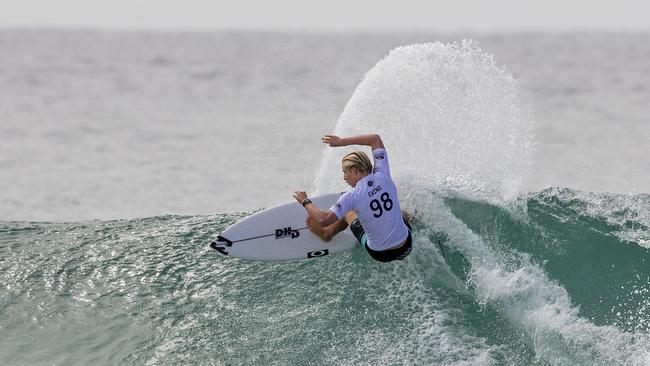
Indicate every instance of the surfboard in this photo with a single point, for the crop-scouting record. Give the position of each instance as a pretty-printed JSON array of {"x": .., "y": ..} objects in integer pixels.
[{"x": 280, "y": 233}]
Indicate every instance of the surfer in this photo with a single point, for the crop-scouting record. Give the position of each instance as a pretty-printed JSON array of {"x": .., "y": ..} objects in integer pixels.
[{"x": 371, "y": 208}]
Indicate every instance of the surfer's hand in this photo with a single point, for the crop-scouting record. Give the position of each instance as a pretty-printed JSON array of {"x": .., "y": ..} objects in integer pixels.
[
  {"x": 300, "y": 196},
  {"x": 333, "y": 140}
]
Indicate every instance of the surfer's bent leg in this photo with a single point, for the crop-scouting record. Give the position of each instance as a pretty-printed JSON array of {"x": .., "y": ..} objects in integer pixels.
[
  {"x": 387, "y": 255},
  {"x": 357, "y": 229}
]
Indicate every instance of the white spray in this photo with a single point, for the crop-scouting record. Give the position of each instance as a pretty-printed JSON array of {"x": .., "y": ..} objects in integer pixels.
[{"x": 451, "y": 119}]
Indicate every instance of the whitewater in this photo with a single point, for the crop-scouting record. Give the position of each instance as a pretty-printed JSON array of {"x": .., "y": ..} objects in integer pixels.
[{"x": 500, "y": 274}]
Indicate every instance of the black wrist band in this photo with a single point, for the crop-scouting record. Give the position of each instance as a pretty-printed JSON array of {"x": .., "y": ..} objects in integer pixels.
[{"x": 306, "y": 202}]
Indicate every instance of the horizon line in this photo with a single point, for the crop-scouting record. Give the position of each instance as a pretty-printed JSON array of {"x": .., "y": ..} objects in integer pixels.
[{"x": 333, "y": 32}]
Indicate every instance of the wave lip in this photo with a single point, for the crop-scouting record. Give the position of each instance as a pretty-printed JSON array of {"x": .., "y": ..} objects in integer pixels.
[{"x": 627, "y": 214}]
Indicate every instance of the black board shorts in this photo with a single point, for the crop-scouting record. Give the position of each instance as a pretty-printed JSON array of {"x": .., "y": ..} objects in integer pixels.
[{"x": 383, "y": 255}]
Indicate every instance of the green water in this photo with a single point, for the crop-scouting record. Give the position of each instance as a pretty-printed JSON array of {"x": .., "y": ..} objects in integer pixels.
[{"x": 556, "y": 285}]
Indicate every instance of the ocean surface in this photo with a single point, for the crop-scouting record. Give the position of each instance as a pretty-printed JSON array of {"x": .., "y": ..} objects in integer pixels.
[{"x": 524, "y": 159}]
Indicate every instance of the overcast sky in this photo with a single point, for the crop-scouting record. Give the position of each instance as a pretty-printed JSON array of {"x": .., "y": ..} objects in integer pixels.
[{"x": 333, "y": 15}]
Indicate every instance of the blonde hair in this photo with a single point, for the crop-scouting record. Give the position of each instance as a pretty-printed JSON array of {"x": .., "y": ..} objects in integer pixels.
[{"x": 357, "y": 160}]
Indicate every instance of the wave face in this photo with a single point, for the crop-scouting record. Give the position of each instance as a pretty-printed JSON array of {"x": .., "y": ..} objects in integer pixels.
[{"x": 566, "y": 284}]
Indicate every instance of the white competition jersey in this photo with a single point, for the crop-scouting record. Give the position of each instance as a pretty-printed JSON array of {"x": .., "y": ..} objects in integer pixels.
[{"x": 374, "y": 199}]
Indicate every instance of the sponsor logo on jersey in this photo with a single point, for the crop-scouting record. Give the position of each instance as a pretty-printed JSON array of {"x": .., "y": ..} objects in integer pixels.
[
  {"x": 286, "y": 232},
  {"x": 379, "y": 156}
]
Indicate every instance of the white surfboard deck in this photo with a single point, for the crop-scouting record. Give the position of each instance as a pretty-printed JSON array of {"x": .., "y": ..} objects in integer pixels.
[{"x": 280, "y": 233}]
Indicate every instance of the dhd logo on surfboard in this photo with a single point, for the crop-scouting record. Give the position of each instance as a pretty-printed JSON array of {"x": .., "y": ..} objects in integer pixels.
[{"x": 286, "y": 232}]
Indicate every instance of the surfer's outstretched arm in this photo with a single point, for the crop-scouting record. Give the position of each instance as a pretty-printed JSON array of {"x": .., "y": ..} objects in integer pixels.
[{"x": 372, "y": 140}]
